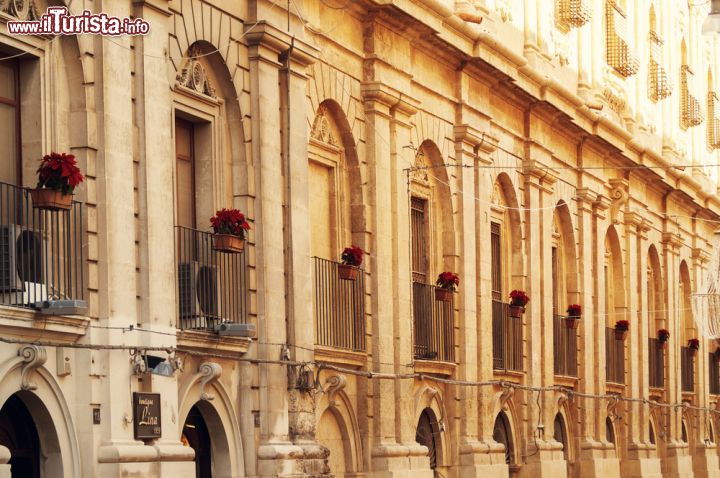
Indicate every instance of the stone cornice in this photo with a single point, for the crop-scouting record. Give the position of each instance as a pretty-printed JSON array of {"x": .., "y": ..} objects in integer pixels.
[
  {"x": 390, "y": 97},
  {"x": 279, "y": 41}
]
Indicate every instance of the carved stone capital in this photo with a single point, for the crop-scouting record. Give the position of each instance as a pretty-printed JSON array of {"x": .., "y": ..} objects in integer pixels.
[
  {"x": 33, "y": 357},
  {"x": 209, "y": 373},
  {"x": 672, "y": 240}
]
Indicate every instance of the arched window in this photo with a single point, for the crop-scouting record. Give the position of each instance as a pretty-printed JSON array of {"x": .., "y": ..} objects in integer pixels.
[
  {"x": 564, "y": 290},
  {"x": 656, "y": 319},
  {"x": 614, "y": 308},
  {"x": 687, "y": 330},
  {"x": 502, "y": 433},
  {"x": 610, "y": 431}
]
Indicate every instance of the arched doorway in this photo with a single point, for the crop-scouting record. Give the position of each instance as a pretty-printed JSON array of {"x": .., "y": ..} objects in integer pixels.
[
  {"x": 426, "y": 434},
  {"x": 19, "y": 434},
  {"x": 502, "y": 433},
  {"x": 195, "y": 434}
]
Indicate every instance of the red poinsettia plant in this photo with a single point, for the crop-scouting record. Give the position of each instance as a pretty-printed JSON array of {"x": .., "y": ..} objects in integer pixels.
[
  {"x": 574, "y": 310},
  {"x": 448, "y": 280},
  {"x": 694, "y": 344},
  {"x": 59, "y": 171},
  {"x": 519, "y": 298},
  {"x": 663, "y": 335},
  {"x": 230, "y": 221},
  {"x": 622, "y": 325},
  {"x": 352, "y": 256}
]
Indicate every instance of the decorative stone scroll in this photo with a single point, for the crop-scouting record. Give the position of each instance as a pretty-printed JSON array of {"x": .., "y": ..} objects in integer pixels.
[
  {"x": 209, "y": 373},
  {"x": 323, "y": 129},
  {"x": 194, "y": 77},
  {"x": 20, "y": 9},
  {"x": 335, "y": 384},
  {"x": 33, "y": 357}
]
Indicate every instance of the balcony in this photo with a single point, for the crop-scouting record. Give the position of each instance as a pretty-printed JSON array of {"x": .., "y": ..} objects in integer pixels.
[
  {"x": 211, "y": 285},
  {"x": 41, "y": 254},
  {"x": 659, "y": 86},
  {"x": 339, "y": 308},
  {"x": 691, "y": 113},
  {"x": 713, "y": 127},
  {"x": 433, "y": 325},
  {"x": 565, "y": 348},
  {"x": 573, "y": 13},
  {"x": 507, "y": 338},
  {"x": 614, "y": 358},
  {"x": 687, "y": 369},
  {"x": 656, "y": 356}
]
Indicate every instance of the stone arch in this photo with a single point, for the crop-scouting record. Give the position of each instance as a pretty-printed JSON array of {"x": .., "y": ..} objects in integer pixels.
[
  {"x": 429, "y": 399},
  {"x": 505, "y": 199},
  {"x": 561, "y": 434},
  {"x": 656, "y": 302},
  {"x": 504, "y": 433},
  {"x": 563, "y": 220},
  {"x": 614, "y": 278},
  {"x": 221, "y": 417},
  {"x": 52, "y": 416},
  {"x": 336, "y": 407}
]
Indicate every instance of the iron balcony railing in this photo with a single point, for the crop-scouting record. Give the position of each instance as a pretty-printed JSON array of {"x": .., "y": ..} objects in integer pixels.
[
  {"x": 714, "y": 378},
  {"x": 211, "y": 285},
  {"x": 339, "y": 308},
  {"x": 614, "y": 357},
  {"x": 41, "y": 252},
  {"x": 687, "y": 369},
  {"x": 565, "y": 347},
  {"x": 507, "y": 338},
  {"x": 433, "y": 325},
  {"x": 656, "y": 355}
]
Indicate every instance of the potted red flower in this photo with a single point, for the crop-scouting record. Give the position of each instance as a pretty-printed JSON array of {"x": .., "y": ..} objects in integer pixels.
[
  {"x": 351, "y": 258},
  {"x": 621, "y": 329},
  {"x": 574, "y": 311},
  {"x": 663, "y": 336},
  {"x": 58, "y": 175},
  {"x": 230, "y": 227},
  {"x": 518, "y": 300},
  {"x": 694, "y": 345},
  {"x": 446, "y": 284}
]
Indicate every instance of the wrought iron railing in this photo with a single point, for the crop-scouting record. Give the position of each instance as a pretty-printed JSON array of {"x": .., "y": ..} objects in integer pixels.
[
  {"x": 433, "y": 325},
  {"x": 41, "y": 252},
  {"x": 507, "y": 338},
  {"x": 656, "y": 357},
  {"x": 619, "y": 55},
  {"x": 565, "y": 347},
  {"x": 691, "y": 113},
  {"x": 713, "y": 126},
  {"x": 339, "y": 308},
  {"x": 659, "y": 86},
  {"x": 211, "y": 285},
  {"x": 573, "y": 13},
  {"x": 687, "y": 369},
  {"x": 614, "y": 357},
  {"x": 714, "y": 374}
]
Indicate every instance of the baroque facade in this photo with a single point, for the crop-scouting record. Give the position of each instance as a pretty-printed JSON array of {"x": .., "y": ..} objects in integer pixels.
[{"x": 564, "y": 148}]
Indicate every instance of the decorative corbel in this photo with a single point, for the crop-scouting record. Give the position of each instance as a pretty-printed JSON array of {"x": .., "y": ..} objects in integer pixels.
[
  {"x": 619, "y": 197},
  {"x": 506, "y": 395},
  {"x": 209, "y": 372},
  {"x": 612, "y": 407},
  {"x": 33, "y": 357},
  {"x": 334, "y": 384}
]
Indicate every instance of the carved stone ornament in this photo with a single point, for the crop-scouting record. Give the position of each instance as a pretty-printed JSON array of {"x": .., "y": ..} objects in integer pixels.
[
  {"x": 619, "y": 197},
  {"x": 20, "y": 9},
  {"x": 506, "y": 395},
  {"x": 419, "y": 173},
  {"x": 323, "y": 129},
  {"x": 194, "y": 77},
  {"x": 209, "y": 373},
  {"x": 33, "y": 357},
  {"x": 334, "y": 384}
]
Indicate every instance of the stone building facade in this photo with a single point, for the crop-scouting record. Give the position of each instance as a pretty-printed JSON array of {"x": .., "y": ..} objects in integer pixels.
[{"x": 564, "y": 148}]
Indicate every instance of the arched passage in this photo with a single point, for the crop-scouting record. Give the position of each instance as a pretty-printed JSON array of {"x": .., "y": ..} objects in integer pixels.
[
  {"x": 502, "y": 433},
  {"x": 19, "y": 434},
  {"x": 332, "y": 434},
  {"x": 427, "y": 434},
  {"x": 204, "y": 431},
  {"x": 560, "y": 434}
]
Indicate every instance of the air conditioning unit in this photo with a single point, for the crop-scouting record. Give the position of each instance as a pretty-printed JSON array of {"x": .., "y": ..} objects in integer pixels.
[
  {"x": 199, "y": 296},
  {"x": 21, "y": 265}
]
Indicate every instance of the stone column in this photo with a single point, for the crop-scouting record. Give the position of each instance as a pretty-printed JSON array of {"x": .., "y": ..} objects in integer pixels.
[
  {"x": 118, "y": 453},
  {"x": 155, "y": 193},
  {"x": 277, "y": 456}
]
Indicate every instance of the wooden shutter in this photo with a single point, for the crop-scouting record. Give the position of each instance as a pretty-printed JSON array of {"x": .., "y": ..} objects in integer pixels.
[
  {"x": 496, "y": 255},
  {"x": 419, "y": 243},
  {"x": 185, "y": 173}
]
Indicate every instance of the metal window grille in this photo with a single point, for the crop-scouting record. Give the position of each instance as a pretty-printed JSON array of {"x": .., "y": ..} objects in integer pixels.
[
  {"x": 507, "y": 338},
  {"x": 691, "y": 113},
  {"x": 573, "y": 13},
  {"x": 419, "y": 243},
  {"x": 687, "y": 369},
  {"x": 656, "y": 355},
  {"x": 614, "y": 357},
  {"x": 619, "y": 55},
  {"x": 565, "y": 348},
  {"x": 433, "y": 325}
]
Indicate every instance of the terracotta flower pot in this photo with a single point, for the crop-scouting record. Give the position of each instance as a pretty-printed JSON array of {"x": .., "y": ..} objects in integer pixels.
[
  {"x": 663, "y": 344},
  {"x": 51, "y": 199},
  {"x": 347, "y": 272},
  {"x": 443, "y": 295},
  {"x": 516, "y": 311},
  {"x": 572, "y": 321},
  {"x": 228, "y": 243},
  {"x": 620, "y": 334}
]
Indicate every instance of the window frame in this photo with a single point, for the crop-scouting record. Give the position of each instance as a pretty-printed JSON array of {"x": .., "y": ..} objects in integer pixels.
[{"x": 16, "y": 103}]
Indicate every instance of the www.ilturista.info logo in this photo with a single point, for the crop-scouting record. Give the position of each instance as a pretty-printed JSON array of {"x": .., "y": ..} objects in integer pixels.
[{"x": 57, "y": 21}]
